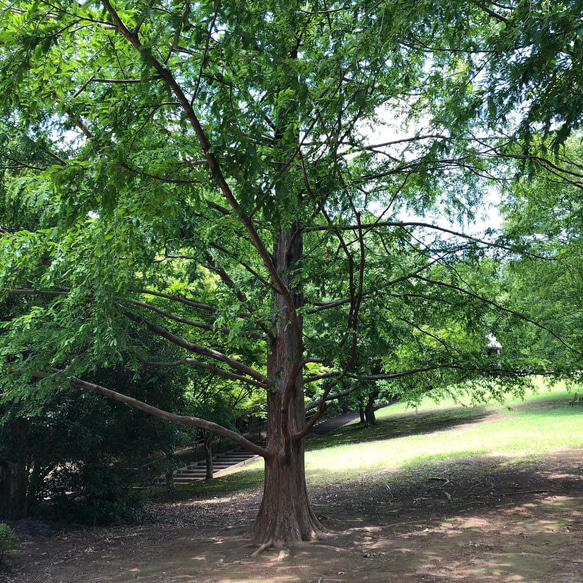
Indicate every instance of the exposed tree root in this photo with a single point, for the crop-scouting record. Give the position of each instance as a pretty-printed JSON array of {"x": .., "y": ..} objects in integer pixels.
[
  {"x": 262, "y": 548},
  {"x": 527, "y": 492},
  {"x": 323, "y": 535},
  {"x": 316, "y": 536}
]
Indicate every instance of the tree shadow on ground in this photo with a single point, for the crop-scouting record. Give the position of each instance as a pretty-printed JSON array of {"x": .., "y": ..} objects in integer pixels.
[
  {"x": 476, "y": 519},
  {"x": 404, "y": 425},
  {"x": 482, "y": 517},
  {"x": 472, "y": 517},
  {"x": 451, "y": 484}
]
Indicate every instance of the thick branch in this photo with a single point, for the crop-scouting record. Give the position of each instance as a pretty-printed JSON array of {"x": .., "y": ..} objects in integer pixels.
[
  {"x": 182, "y": 419},
  {"x": 183, "y": 300},
  {"x": 252, "y": 271},
  {"x": 318, "y": 402},
  {"x": 238, "y": 293},
  {"x": 187, "y": 361},
  {"x": 201, "y": 325},
  {"x": 321, "y": 377},
  {"x": 211, "y": 159},
  {"x": 202, "y": 350},
  {"x": 335, "y": 303},
  {"x": 401, "y": 224},
  {"x": 125, "y": 81},
  {"x": 24, "y": 291}
]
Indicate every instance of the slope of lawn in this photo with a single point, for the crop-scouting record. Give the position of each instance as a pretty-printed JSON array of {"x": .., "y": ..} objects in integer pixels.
[
  {"x": 546, "y": 421},
  {"x": 411, "y": 438}
]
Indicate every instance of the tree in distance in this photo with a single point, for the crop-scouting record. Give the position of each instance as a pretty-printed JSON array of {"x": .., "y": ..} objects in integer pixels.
[{"x": 216, "y": 175}]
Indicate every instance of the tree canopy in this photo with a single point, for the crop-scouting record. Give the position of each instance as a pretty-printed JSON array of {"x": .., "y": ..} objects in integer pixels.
[{"x": 250, "y": 183}]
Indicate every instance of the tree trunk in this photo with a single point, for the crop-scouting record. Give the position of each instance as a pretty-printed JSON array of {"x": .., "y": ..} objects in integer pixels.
[
  {"x": 6, "y": 487},
  {"x": 285, "y": 516},
  {"x": 170, "y": 471},
  {"x": 17, "y": 495},
  {"x": 369, "y": 411},
  {"x": 254, "y": 430},
  {"x": 208, "y": 454}
]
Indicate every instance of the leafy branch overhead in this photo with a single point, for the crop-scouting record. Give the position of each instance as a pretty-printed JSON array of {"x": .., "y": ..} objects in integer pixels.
[{"x": 262, "y": 187}]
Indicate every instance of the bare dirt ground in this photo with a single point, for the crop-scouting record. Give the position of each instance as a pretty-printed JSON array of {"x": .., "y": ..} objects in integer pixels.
[{"x": 478, "y": 519}]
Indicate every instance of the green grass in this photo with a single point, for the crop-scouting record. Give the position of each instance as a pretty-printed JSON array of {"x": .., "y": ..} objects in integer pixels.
[{"x": 407, "y": 438}]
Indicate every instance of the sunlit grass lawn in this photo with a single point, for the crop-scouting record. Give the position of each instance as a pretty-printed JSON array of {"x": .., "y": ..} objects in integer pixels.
[{"x": 407, "y": 438}]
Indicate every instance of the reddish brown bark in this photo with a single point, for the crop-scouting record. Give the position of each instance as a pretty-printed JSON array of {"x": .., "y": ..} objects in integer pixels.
[{"x": 285, "y": 516}]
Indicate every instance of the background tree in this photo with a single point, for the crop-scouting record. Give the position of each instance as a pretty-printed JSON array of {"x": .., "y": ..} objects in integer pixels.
[
  {"x": 203, "y": 173},
  {"x": 83, "y": 452},
  {"x": 223, "y": 402},
  {"x": 543, "y": 209}
]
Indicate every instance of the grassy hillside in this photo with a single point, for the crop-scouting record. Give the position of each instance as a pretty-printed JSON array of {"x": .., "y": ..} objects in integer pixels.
[
  {"x": 410, "y": 439},
  {"x": 545, "y": 421}
]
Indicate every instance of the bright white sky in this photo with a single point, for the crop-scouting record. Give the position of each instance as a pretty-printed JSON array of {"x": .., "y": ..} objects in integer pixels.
[{"x": 488, "y": 216}]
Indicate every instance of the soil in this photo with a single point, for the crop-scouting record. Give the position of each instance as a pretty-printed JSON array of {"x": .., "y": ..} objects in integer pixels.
[{"x": 478, "y": 519}]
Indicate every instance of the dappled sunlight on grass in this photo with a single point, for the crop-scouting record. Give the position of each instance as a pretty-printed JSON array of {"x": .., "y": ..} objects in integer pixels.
[
  {"x": 408, "y": 438},
  {"x": 545, "y": 422},
  {"x": 247, "y": 479}
]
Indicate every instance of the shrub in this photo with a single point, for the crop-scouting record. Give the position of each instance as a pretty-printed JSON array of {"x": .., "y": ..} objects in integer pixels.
[
  {"x": 8, "y": 540},
  {"x": 99, "y": 495},
  {"x": 78, "y": 454}
]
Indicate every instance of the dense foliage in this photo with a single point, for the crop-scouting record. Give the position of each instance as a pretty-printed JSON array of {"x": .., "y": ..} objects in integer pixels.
[
  {"x": 545, "y": 210},
  {"x": 84, "y": 453},
  {"x": 260, "y": 186},
  {"x": 8, "y": 541}
]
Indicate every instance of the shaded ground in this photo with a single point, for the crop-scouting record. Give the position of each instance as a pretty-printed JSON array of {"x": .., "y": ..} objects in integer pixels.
[
  {"x": 405, "y": 425},
  {"x": 478, "y": 519}
]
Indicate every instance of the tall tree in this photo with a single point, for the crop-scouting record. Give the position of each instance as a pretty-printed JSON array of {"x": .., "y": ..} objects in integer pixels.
[
  {"x": 545, "y": 211},
  {"x": 205, "y": 172}
]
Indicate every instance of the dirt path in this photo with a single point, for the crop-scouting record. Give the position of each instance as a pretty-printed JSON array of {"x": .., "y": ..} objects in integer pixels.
[{"x": 481, "y": 519}]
